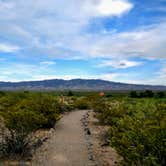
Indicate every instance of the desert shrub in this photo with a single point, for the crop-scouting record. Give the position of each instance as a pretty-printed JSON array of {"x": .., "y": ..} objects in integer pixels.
[
  {"x": 109, "y": 112},
  {"x": 47, "y": 106},
  {"x": 23, "y": 114},
  {"x": 97, "y": 103},
  {"x": 2, "y": 94},
  {"x": 66, "y": 103},
  {"x": 81, "y": 103},
  {"x": 134, "y": 94},
  {"x": 146, "y": 94},
  {"x": 20, "y": 125},
  {"x": 109, "y": 95},
  {"x": 149, "y": 93},
  {"x": 66, "y": 107},
  {"x": 137, "y": 130},
  {"x": 12, "y": 98},
  {"x": 160, "y": 95},
  {"x": 70, "y": 93}
]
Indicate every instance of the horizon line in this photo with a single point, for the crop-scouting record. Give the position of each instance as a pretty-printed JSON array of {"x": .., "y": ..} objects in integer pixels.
[{"x": 81, "y": 79}]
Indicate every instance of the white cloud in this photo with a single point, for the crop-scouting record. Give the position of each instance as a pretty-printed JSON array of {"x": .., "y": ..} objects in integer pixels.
[
  {"x": 58, "y": 29},
  {"x": 146, "y": 42},
  {"x": 6, "y": 5},
  {"x": 47, "y": 63},
  {"x": 110, "y": 77},
  {"x": 8, "y": 48},
  {"x": 113, "y": 7},
  {"x": 133, "y": 78},
  {"x": 25, "y": 72},
  {"x": 136, "y": 77},
  {"x": 161, "y": 76},
  {"x": 48, "y": 30},
  {"x": 119, "y": 64},
  {"x": 47, "y": 27}
]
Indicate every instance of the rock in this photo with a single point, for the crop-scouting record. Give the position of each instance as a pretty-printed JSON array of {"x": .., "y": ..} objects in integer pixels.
[
  {"x": 88, "y": 132},
  {"x": 91, "y": 158},
  {"x": 106, "y": 143}
]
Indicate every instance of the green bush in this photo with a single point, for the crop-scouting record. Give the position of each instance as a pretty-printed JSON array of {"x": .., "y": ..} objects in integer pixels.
[
  {"x": 161, "y": 94},
  {"x": 70, "y": 93},
  {"x": 134, "y": 94},
  {"x": 23, "y": 114},
  {"x": 137, "y": 130},
  {"x": 20, "y": 125},
  {"x": 47, "y": 106},
  {"x": 81, "y": 103}
]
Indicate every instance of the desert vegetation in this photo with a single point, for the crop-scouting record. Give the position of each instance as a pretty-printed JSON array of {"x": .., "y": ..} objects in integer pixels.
[
  {"x": 137, "y": 127},
  {"x": 136, "y": 120},
  {"x": 22, "y": 114}
]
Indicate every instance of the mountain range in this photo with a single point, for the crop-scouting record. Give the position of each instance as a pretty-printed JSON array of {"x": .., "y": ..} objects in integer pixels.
[{"x": 76, "y": 84}]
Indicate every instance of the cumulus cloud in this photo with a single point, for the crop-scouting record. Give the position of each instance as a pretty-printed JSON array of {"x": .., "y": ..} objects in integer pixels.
[
  {"x": 113, "y": 7},
  {"x": 47, "y": 27},
  {"x": 49, "y": 30}
]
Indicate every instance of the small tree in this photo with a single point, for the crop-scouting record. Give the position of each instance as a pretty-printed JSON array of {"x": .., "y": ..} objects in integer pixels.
[
  {"x": 70, "y": 93},
  {"x": 133, "y": 94},
  {"x": 160, "y": 94},
  {"x": 2, "y": 93},
  {"x": 149, "y": 93}
]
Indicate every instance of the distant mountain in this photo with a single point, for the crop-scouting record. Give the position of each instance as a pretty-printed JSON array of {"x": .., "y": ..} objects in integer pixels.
[{"x": 75, "y": 84}]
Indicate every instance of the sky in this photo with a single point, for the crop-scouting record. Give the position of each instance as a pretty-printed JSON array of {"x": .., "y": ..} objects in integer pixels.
[{"x": 115, "y": 40}]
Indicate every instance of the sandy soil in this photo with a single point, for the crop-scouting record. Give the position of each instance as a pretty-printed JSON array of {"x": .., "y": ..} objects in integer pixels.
[
  {"x": 67, "y": 145},
  {"x": 103, "y": 153}
]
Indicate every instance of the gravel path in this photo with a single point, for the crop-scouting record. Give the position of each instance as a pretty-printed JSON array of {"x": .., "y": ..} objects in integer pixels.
[{"x": 67, "y": 145}]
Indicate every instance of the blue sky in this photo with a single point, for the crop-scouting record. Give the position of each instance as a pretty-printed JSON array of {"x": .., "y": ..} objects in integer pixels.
[{"x": 116, "y": 40}]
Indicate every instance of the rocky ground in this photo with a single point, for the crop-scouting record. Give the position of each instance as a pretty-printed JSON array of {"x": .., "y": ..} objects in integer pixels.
[{"x": 97, "y": 136}]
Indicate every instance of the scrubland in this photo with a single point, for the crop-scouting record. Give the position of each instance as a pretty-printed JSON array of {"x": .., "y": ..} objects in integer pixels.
[{"x": 136, "y": 120}]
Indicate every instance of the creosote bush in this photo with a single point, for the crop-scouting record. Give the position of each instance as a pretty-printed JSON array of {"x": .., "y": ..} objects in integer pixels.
[
  {"x": 24, "y": 113},
  {"x": 81, "y": 103},
  {"x": 20, "y": 124},
  {"x": 137, "y": 129}
]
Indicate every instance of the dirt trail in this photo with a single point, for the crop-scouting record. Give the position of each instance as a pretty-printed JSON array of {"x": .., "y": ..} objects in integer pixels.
[{"x": 67, "y": 145}]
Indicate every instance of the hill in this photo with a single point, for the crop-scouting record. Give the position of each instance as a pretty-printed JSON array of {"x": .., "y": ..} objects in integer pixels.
[{"x": 75, "y": 84}]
